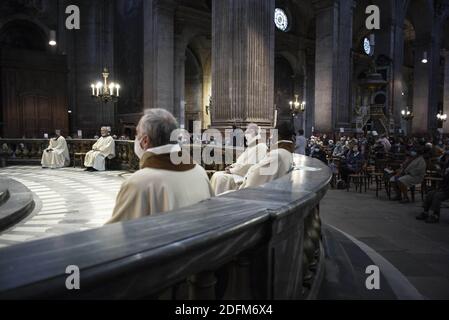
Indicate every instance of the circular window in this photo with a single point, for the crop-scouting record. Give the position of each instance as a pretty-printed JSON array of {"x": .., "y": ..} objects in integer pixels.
[
  {"x": 367, "y": 47},
  {"x": 280, "y": 19}
]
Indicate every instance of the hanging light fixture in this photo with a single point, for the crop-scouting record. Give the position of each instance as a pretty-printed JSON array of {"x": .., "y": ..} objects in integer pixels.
[
  {"x": 441, "y": 117},
  {"x": 52, "y": 39},
  {"x": 407, "y": 115},
  {"x": 105, "y": 91},
  {"x": 296, "y": 106},
  {"x": 424, "y": 58}
]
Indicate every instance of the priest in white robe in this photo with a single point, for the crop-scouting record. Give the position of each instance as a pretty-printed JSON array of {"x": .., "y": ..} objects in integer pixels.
[
  {"x": 57, "y": 153},
  {"x": 232, "y": 178},
  {"x": 160, "y": 185},
  {"x": 102, "y": 149},
  {"x": 277, "y": 163}
]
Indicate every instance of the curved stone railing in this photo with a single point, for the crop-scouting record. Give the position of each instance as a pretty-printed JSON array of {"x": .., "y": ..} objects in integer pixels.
[{"x": 261, "y": 243}]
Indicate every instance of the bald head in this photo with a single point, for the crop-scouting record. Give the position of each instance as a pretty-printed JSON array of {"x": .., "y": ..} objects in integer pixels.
[
  {"x": 252, "y": 130},
  {"x": 105, "y": 131}
]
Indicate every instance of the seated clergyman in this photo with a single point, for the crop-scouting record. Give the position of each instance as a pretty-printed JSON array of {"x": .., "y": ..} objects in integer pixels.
[
  {"x": 234, "y": 174},
  {"x": 102, "y": 149},
  {"x": 159, "y": 185},
  {"x": 57, "y": 153},
  {"x": 277, "y": 163}
]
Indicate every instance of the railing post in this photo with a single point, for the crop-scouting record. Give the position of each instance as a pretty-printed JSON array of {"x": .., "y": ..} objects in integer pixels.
[{"x": 202, "y": 286}]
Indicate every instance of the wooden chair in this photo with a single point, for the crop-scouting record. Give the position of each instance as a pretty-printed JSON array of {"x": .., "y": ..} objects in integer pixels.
[
  {"x": 79, "y": 156},
  {"x": 359, "y": 179}
]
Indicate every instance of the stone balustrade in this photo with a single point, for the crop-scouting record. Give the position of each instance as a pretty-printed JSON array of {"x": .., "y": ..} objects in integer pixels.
[{"x": 259, "y": 243}]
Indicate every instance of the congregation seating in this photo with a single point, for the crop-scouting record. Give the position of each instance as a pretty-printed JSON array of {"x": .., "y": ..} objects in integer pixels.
[{"x": 377, "y": 170}]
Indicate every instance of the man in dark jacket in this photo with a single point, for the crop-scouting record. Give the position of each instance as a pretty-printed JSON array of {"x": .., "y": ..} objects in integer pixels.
[
  {"x": 354, "y": 162},
  {"x": 434, "y": 199}
]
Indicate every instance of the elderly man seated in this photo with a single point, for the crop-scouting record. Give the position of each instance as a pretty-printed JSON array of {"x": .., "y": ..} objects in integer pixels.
[
  {"x": 434, "y": 199},
  {"x": 411, "y": 173},
  {"x": 277, "y": 163},
  {"x": 102, "y": 149},
  {"x": 57, "y": 153},
  {"x": 232, "y": 178},
  {"x": 353, "y": 163},
  {"x": 340, "y": 148},
  {"x": 159, "y": 185}
]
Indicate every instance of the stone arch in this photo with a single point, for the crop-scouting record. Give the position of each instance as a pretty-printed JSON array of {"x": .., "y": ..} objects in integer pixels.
[{"x": 23, "y": 34}]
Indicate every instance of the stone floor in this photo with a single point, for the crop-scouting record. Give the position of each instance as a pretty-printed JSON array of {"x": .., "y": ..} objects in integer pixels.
[
  {"x": 418, "y": 250},
  {"x": 67, "y": 200}
]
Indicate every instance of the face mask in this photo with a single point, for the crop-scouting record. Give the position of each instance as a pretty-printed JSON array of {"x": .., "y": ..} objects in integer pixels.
[
  {"x": 138, "y": 149},
  {"x": 317, "y": 150},
  {"x": 413, "y": 154},
  {"x": 248, "y": 137}
]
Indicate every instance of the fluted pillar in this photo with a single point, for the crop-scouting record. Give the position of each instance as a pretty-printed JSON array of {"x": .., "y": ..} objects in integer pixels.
[
  {"x": 242, "y": 62},
  {"x": 326, "y": 59},
  {"x": 446, "y": 90},
  {"x": 158, "y": 49}
]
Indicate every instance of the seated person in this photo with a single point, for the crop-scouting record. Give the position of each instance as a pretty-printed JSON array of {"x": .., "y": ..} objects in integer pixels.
[
  {"x": 319, "y": 154},
  {"x": 352, "y": 165},
  {"x": 433, "y": 201},
  {"x": 57, "y": 153},
  {"x": 159, "y": 185},
  {"x": 340, "y": 148},
  {"x": 411, "y": 173},
  {"x": 233, "y": 176},
  {"x": 102, "y": 149},
  {"x": 277, "y": 163}
]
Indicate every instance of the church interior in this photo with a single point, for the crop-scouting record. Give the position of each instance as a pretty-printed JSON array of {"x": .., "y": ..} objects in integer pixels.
[{"x": 313, "y": 135}]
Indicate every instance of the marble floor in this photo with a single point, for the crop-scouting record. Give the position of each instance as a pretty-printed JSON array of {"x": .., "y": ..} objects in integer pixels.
[{"x": 67, "y": 200}]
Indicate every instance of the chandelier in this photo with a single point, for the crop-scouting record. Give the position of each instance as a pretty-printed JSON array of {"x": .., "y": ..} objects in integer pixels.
[
  {"x": 105, "y": 91},
  {"x": 441, "y": 117},
  {"x": 296, "y": 106},
  {"x": 407, "y": 115}
]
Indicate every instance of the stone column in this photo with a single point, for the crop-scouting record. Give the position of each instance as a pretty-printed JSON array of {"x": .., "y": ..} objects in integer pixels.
[
  {"x": 310, "y": 91},
  {"x": 424, "y": 88},
  {"x": 397, "y": 51},
  {"x": 446, "y": 90},
  {"x": 326, "y": 54},
  {"x": 180, "y": 62},
  {"x": 242, "y": 62},
  {"x": 421, "y": 90},
  {"x": 344, "y": 65},
  {"x": 159, "y": 54}
]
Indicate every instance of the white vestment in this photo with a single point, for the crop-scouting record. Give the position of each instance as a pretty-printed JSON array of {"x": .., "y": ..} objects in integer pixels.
[
  {"x": 276, "y": 164},
  {"x": 59, "y": 156},
  {"x": 223, "y": 181},
  {"x": 154, "y": 190},
  {"x": 102, "y": 149}
]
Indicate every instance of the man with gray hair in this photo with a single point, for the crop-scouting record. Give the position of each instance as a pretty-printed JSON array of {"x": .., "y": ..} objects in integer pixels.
[
  {"x": 159, "y": 185},
  {"x": 102, "y": 149},
  {"x": 232, "y": 177}
]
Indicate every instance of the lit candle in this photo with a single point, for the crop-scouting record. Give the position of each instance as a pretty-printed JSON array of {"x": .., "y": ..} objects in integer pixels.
[
  {"x": 99, "y": 86},
  {"x": 93, "y": 89},
  {"x": 118, "y": 88},
  {"x": 111, "y": 88}
]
